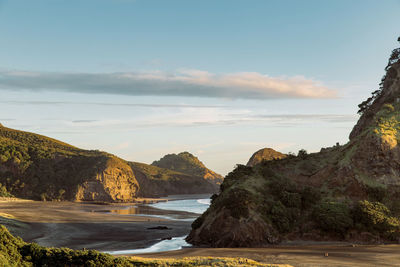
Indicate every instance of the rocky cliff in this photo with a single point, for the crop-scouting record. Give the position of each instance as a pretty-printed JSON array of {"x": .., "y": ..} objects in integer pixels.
[
  {"x": 264, "y": 154},
  {"x": 349, "y": 192}
]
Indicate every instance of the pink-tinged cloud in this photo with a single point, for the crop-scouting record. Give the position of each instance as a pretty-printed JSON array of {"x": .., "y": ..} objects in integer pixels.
[{"x": 190, "y": 83}]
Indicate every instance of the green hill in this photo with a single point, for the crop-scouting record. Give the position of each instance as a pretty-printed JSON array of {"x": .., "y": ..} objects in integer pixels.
[
  {"x": 349, "y": 192},
  {"x": 38, "y": 167},
  {"x": 185, "y": 162},
  {"x": 156, "y": 182}
]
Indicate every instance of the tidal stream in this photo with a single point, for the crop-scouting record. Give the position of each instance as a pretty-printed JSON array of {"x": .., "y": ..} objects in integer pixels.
[{"x": 187, "y": 209}]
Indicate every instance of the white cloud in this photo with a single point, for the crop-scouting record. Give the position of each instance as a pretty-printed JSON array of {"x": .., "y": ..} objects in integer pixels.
[{"x": 191, "y": 83}]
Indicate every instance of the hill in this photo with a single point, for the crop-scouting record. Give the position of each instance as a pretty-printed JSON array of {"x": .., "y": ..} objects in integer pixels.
[
  {"x": 264, "y": 154},
  {"x": 185, "y": 162},
  {"x": 38, "y": 167},
  {"x": 156, "y": 182},
  {"x": 348, "y": 192}
]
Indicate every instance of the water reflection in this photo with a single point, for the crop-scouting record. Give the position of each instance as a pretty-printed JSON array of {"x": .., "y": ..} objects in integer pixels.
[
  {"x": 133, "y": 210},
  {"x": 149, "y": 211}
]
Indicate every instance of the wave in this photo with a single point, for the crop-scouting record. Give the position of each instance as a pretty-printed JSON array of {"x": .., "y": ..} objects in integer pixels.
[
  {"x": 205, "y": 201},
  {"x": 166, "y": 245}
]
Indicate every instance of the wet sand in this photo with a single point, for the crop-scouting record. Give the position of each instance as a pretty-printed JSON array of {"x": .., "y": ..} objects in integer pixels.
[
  {"x": 380, "y": 255},
  {"x": 83, "y": 225}
]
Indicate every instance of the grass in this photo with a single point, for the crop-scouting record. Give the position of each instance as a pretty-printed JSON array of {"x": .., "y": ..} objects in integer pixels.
[
  {"x": 387, "y": 124},
  {"x": 203, "y": 261}
]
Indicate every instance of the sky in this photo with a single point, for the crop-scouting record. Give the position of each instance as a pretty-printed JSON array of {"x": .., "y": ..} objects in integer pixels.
[{"x": 220, "y": 79}]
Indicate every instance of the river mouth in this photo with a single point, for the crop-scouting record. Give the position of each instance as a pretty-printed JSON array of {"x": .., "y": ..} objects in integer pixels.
[{"x": 177, "y": 208}]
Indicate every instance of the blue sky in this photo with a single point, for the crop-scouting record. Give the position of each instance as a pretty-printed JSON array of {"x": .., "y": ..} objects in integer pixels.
[{"x": 220, "y": 79}]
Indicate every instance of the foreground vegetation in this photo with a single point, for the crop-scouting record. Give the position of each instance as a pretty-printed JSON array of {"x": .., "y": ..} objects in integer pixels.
[{"x": 15, "y": 252}]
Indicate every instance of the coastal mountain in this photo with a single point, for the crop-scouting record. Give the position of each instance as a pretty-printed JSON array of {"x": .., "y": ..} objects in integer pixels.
[
  {"x": 185, "y": 162},
  {"x": 38, "y": 167},
  {"x": 349, "y": 192},
  {"x": 265, "y": 154}
]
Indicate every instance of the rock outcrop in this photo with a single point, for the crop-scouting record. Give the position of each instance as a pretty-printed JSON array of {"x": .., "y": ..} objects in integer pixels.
[
  {"x": 349, "y": 192},
  {"x": 264, "y": 154}
]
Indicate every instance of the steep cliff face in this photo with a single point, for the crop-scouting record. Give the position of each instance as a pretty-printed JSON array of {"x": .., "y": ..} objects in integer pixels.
[
  {"x": 349, "y": 192},
  {"x": 264, "y": 154},
  {"x": 116, "y": 182},
  {"x": 186, "y": 163}
]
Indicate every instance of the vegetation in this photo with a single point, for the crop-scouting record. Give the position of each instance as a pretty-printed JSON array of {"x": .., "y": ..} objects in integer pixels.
[
  {"x": 293, "y": 206},
  {"x": 377, "y": 218},
  {"x": 4, "y": 192},
  {"x": 15, "y": 252},
  {"x": 38, "y": 167},
  {"x": 333, "y": 217},
  {"x": 186, "y": 163},
  {"x": 393, "y": 59},
  {"x": 156, "y": 181}
]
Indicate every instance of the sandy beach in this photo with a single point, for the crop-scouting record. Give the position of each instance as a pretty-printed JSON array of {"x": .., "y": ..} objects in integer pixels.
[{"x": 381, "y": 255}]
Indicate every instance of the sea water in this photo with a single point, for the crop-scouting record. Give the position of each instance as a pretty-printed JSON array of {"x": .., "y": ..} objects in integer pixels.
[{"x": 189, "y": 205}]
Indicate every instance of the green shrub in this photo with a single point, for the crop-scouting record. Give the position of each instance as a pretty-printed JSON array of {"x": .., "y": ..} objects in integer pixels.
[
  {"x": 302, "y": 153},
  {"x": 279, "y": 186},
  {"x": 240, "y": 172},
  {"x": 290, "y": 199},
  {"x": 4, "y": 192},
  {"x": 376, "y": 193},
  {"x": 376, "y": 217},
  {"x": 333, "y": 217},
  {"x": 237, "y": 201},
  {"x": 309, "y": 197},
  {"x": 284, "y": 219}
]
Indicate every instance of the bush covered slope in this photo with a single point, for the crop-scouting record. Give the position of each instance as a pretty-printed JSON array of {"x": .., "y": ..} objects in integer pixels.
[
  {"x": 349, "y": 192},
  {"x": 156, "y": 182},
  {"x": 37, "y": 167}
]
